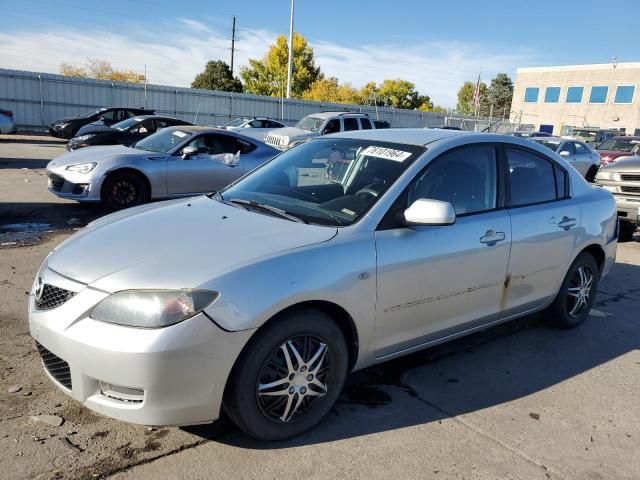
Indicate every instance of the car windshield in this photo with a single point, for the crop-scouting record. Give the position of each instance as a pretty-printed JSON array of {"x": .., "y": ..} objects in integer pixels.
[
  {"x": 311, "y": 124},
  {"x": 550, "y": 144},
  {"x": 126, "y": 124},
  {"x": 93, "y": 112},
  {"x": 620, "y": 144},
  {"x": 163, "y": 140},
  {"x": 326, "y": 181},
  {"x": 235, "y": 123},
  {"x": 585, "y": 135}
]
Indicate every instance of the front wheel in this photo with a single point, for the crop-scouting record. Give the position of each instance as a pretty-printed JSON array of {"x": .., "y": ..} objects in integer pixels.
[
  {"x": 288, "y": 377},
  {"x": 591, "y": 174},
  {"x": 123, "y": 190},
  {"x": 577, "y": 293}
]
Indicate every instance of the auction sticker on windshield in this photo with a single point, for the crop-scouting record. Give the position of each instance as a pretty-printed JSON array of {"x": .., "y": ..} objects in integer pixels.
[
  {"x": 180, "y": 134},
  {"x": 386, "y": 153}
]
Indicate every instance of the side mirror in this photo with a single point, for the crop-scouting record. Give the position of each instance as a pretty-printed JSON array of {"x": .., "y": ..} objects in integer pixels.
[
  {"x": 426, "y": 211},
  {"x": 188, "y": 151},
  {"x": 564, "y": 153}
]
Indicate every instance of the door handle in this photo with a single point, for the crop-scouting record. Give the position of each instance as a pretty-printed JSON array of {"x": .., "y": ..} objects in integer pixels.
[
  {"x": 492, "y": 237},
  {"x": 567, "y": 223}
]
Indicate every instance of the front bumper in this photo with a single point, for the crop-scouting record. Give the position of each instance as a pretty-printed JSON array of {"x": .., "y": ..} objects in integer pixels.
[
  {"x": 74, "y": 186},
  {"x": 628, "y": 208},
  {"x": 168, "y": 376}
]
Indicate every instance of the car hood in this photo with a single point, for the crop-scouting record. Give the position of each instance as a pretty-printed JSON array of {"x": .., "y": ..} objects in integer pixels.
[
  {"x": 65, "y": 120},
  {"x": 293, "y": 132},
  {"x": 176, "y": 244},
  {"x": 95, "y": 127},
  {"x": 625, "y": 163},
  {"x": 95, "y": 154}
]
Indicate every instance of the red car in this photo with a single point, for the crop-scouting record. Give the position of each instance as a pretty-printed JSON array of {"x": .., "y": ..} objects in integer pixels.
[{"x": 616, "y": 147}]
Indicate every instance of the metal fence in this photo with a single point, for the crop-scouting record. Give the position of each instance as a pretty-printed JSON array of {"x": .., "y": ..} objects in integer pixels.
[{"x": 40, "y": 98}]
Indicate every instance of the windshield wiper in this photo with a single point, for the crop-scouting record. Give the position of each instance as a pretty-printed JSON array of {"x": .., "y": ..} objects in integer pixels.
[{"x": 267, "y": 208}]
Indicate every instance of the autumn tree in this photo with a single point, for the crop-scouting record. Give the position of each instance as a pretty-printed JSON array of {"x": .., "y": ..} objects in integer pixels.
[
  {"x": 217, "y": 76},
  {"x": 402, "y": 94},
  {"x": 330, "y": 90},
  {"x": 465, "y": 99},
  {"x": 269, "y": 75},
  {"x": 100, "y": 70}
]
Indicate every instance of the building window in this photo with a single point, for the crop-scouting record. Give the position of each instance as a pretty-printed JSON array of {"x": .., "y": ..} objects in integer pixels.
[
  {"x": 598, "y": 94},
  {"x": 574, "y": 94},
  {"x": 531, "y": 94},
  {"x": 624, "y": 94},
  {"x": 552, "y": 95}
]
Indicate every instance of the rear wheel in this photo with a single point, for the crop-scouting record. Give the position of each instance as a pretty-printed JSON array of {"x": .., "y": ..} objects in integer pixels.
[
  {"x": 577, "y": 293},
  {"x": 591, "y": 174},
  {"x": 289, "y": 376},
  {"x": 124, "y": 189}
]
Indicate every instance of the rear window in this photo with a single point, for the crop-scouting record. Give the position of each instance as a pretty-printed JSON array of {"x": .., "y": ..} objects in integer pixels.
[
  {"x": 366, "y": 123},
  {"x": 350, "y": 124}
]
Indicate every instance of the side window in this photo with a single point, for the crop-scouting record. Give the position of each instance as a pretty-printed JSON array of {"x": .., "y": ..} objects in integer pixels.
[
  {"x": 332, "y": 126},
  {"x": 215, "y": 144},
  {"x": 257, "y": 124},
  {"x": 127, "y": 114},
  {"x": 569, "y": 148},
  {"x": 144, "y": 127},
  {"x": 531, "y": 176},
  {"x": 272, "y": 124},
  {"x": 366, "y": 123},
  {"x": 466, "y": 177},
  {"x": 110, "y": 115},
  {"x": 244, "y": 146},
  {"x": 580, "y": 149},
  {"x": 350, "y": 123},
  {"x": 561, "y": 182}
]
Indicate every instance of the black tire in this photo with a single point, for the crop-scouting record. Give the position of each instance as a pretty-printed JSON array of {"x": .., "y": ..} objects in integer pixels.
[
  {"x": 123, "y": 190},
  {"x": 561, "y": 312},
  {"x": 591, "y": 174},
  {"x": 263, "y": 362},
  {"x": 627, "y": 229}
]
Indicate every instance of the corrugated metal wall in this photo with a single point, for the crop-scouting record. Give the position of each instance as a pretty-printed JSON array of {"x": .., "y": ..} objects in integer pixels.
[{"x": 40, "y": 98}]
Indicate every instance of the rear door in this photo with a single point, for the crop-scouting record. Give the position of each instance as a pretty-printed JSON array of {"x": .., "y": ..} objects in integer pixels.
[
  {"x": 214, "y": 166},
  {"x": 544, "y": 223}
]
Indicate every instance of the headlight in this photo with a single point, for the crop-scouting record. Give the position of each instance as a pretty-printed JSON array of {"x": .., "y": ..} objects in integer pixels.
[
  {"x": 62, "y": 126},
  {"x": 285, "y": 140},
  {"x": 82, "y": 167},
  {"x": 152, "y": 308},
  {"x": 82, "y": 138},
  {"x": 604, "y": 175}
]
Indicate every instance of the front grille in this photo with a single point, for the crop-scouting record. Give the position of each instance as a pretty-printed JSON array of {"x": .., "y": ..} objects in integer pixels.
[
  {"x": 57, "y": 368},
  {"x": 629, "y": 177},
  {"x": 274, "y": 140},
  {"x": 626, "y": 189},
  {"x": 56, "y": 182},
  {"x": 52, "y": 297}
]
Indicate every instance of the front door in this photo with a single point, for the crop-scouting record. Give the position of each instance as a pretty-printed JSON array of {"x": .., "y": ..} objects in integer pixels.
[
  {"x": 438, "y": 280},
  {"x": 214, "y": 166}
]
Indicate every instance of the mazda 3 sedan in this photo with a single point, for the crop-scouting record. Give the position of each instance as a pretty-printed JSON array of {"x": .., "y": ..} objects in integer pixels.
[
  {"x": 173, "y": 162},
  {"x": 260, "y": 298}
]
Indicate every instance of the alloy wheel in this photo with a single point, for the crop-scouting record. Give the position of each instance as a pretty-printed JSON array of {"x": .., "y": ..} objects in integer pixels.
[
  {"x": 123, "y": 192},
  {"x": 579, "y": 290},
  {"x": 293, "y": 379}
]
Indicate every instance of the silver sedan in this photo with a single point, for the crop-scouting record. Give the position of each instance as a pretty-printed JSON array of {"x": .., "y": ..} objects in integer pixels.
[
  {"x": 174, "y": 162},
  {"x": 580, "y": 155},
  {"x": 260, "y": 299}
]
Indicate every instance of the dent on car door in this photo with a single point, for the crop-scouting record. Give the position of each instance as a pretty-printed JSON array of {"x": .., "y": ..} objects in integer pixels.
[
  {"x": 214, "y": 166},
  {"x": 545, "y": 223},
  {"x": 438, "y": 280}
]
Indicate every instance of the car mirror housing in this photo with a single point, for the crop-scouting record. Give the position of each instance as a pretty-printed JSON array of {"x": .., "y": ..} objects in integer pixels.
[
  {"x": 564, "y": 153},
  {"x": 188, "y": 151},
  {"x": 427, "y": 211}
]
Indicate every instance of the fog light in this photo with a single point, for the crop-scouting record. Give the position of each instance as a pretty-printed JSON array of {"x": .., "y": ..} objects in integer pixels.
[
  {"x": 79, "y": 188},
  {"x": 122, "y": 394}
]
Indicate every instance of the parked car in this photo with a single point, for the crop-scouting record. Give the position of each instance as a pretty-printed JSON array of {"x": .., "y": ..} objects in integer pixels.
[
  {"x": 7, "y": 124},
  {"x": 381, "y": 124},
  {"x": 126, "y": 132},
  {"x": 580, "y": 155},
  {"x": 69, "y": 126},
  {"x": 260, "y": 298},
  {"x": 254, "y": 123},
  {"x": 318, "y": 124},
  {"x": 594, "y": 136},
  {"x": 529, "y": 134},
  {"x": 617, "y": 147},
  {"x": 622, "y": 179},
  {"x": 173, "y": 162}
]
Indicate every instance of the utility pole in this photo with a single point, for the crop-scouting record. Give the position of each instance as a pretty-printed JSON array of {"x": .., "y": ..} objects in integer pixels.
[
  {"x": 289, "y": 75},
  {"x": 233, "y": 43}
]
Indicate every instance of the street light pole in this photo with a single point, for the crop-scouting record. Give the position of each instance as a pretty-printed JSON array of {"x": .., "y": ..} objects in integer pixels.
[{"x": 289, "y": 75}]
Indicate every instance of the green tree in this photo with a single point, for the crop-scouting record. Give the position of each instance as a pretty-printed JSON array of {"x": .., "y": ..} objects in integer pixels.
[
  {"x": 217, "y": 76},
  {"x": 500, "y": 93},
  {"x": 465, "y": 99},
  {"x": 330, "y": 90},
  {"x": 402, "y": 94},
  {"x": 369, "y": 94},
  {"x": 269, "y": 75}
]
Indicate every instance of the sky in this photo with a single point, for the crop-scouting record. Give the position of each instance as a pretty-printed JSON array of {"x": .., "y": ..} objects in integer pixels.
[{"x": 435, "y": 44}]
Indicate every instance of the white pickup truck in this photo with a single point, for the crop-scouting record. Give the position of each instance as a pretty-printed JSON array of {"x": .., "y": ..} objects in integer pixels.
[{"x": 318, "y": 124}]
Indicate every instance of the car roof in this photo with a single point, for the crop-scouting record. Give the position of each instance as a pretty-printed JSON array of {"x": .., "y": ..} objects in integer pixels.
[
  {"x": 145, "y": 117},
  {"x": 553, "y": 138},
  {"x": 335, "y": 114},
  {"x": 414, "y": 136},
  {"x": 224, "y": 131}
]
